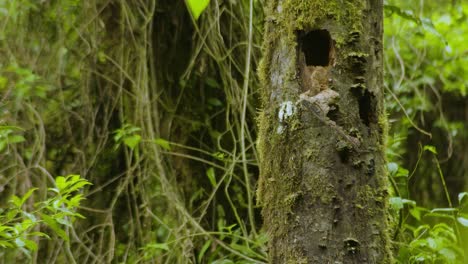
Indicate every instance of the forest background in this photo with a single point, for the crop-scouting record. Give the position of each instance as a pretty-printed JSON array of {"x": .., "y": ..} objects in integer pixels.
[{"x": 128, "y": 131}]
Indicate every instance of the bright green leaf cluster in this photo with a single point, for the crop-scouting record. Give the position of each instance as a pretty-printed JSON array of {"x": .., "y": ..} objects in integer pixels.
[
  {"x": 58, "y": 212},
  {"x": 128, "y": 135},
  {"x": 437, "y": 243},
  {"x": 434, "y": 245}
]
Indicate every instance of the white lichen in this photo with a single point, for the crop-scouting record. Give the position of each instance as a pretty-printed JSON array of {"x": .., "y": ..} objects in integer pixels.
[
  {"x": 279, "y": 8},
  {"x": 286, "y": 110},
  {"x": 280, "y": 129}
]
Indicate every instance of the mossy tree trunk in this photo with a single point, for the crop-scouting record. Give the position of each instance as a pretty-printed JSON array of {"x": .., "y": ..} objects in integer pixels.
[{"x": 323, "y": 183}]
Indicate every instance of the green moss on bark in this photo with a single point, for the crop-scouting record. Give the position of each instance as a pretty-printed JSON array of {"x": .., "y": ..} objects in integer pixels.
[{"x": 314, "y": 192}]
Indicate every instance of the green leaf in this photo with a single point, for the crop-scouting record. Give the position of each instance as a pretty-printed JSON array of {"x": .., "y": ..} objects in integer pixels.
[
  {"x": 128, "y": 135},
  {"x": 196, "y": 7},
  {"x": 417, "y": 211},
  {"x": 16, "y": 201},
  {"x": 449, "y": 254},
  {"x": 463, "y": 221},
  {"x": 55, "y": 190},
  {"x": 406, "y": 14},
  {"x": 214, "y": 102},
  {"x": 396, "y": 203},
  {"x": 75, "y": 201},
  {"x": 10, "y": 128},
  {"x": 60, "y": 182},
  {"x": 445, "y": 216},
  {"x": 211, "y": 176},
  {"x": 162, "y": 246},
  {"x": 431, "y": 243},
  {"x": 219, "y": 156},
  {"x": 79, "y": 215},
  {"x": 461, "y": 196},
  {"x": 54, "y": 226},
  {"x": 402, "y": 172},
  {"x": 39, "y": 234},
  {"x": 102, "y": 57},
  {"x": 64, "y": 221},
  {"x": 163, "y": 143},
  {"x": 444, "y": 210},
  {"x": 15, "y": 139},
  {"x": 410, "y": 202},
  {"x": 69, "y": 184},
  {"x": 212, "y": 82},
  {"x": 75, "y": 183},
  {"x": 5, "y": 244},
  {"x": 31, "y": 245},
  {"x": 392, "y": 168},
  {"x": 203, "y": 250},
  {"x": 5, "y": 229},
  {"x": 27, "y": 195},
  {"x": 11, "y": 214},
  {"x": 132, "y": 141},
  {"x": 19, "y": 242},
  {"x": 430, "y": 149},
  {"x": 25, "y": 225}
]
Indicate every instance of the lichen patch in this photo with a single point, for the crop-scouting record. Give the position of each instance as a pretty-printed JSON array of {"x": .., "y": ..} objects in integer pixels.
[{"x": 286, "y": 110}]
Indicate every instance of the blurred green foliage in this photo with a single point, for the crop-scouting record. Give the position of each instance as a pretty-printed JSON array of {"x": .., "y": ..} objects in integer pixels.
[
  {"x": 426, "y": 83},
  {"x": 19, "y": 227}
]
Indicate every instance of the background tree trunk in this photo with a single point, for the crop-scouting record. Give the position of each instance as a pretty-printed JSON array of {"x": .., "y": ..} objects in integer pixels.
[{"x": 323, "y": 183}]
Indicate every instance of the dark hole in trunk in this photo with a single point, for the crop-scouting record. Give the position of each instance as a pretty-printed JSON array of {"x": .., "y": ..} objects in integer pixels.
[
  {"x": 365, "y": 107},
  {"x": 317, "y": 47}
]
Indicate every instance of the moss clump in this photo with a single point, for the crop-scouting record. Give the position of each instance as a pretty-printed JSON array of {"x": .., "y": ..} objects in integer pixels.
[{"x": 308, "y": 15}]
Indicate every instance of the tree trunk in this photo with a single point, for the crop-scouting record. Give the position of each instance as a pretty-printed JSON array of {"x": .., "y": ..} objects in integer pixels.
[{"x": 323, "y": 184}]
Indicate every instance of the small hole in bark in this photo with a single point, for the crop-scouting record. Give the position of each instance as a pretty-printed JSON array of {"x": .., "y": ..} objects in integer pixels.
[
  {"x": 334, "y": 112},
  {"x": 317, "y": 47},
  {"x": 352, "y": 245},
  {"x": 366, "y": 104},
  {"x": 344, "y": 151},
  {"x": 371, "y": 168},
  {"x": 365, "y": 107},
  {"x": 344, "y": 155}
]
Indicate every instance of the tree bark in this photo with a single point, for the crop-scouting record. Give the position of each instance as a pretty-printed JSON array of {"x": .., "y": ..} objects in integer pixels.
[{"x": 323, "y": 182}]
